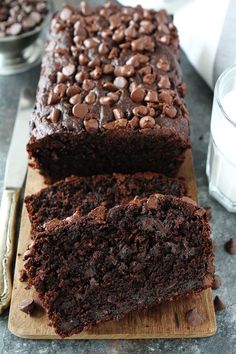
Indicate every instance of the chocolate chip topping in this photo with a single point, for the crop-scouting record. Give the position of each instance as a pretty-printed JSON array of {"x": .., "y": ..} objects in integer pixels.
[
  {"x": 138, "y": 94},
  {"x": 219, "y": 305},
  {"x": 80, "y": 110},
  {"x": 118, "y": 114},
  {"x": 147, "y": 122},
  {"x": 151, "y": 96},
  {"x": 120, "y": 61},
  {"x": 75, "y": 99},
  {"x": 193, "y": 317},
  {"x": 230, "y": 246},
  {"x": 27, "y": 306},
  {"x": 22, "y": 16},
  {"x": 55, "y": 115},
  {"x": 68, "y": 70},
  {"x": 120, "y": 82}
]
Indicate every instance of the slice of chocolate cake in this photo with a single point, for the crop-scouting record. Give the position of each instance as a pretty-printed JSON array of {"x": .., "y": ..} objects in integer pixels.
[
  {"x": 83, "y": 194},
  {"x": 101, "y": 266}
]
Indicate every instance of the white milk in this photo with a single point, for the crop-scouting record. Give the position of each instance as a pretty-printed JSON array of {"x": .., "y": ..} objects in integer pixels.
[{"x": 221, "y": 162}]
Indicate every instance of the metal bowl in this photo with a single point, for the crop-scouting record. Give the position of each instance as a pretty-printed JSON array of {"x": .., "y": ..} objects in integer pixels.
[{"x": 21, "y": 52}]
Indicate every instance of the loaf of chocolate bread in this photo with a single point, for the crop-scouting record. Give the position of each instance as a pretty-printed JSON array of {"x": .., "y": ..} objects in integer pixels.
[
  {"x": 82, "y": 194},
  {"x": 101, "y": 266},
  {"x": 110, "y": 95}
]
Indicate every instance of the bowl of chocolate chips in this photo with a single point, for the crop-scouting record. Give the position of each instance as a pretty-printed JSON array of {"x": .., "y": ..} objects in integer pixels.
[{"x": 21, "y": 24}]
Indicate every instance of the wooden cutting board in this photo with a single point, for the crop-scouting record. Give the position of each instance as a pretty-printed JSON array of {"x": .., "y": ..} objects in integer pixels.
[{"x": 164, "y": 321}]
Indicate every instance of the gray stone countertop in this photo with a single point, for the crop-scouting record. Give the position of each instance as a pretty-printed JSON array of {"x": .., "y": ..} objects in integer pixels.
[{"x": 199, "y": 100}]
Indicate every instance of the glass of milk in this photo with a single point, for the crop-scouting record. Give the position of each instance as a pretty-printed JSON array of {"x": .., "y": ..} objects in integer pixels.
[{"x": 221, "y": 159}]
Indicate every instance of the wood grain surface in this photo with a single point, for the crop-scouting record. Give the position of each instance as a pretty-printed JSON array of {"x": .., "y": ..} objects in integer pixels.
[{"x": 163, "y": 321}]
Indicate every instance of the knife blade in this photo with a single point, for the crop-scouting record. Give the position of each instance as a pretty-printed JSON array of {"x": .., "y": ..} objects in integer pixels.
[{"x": 15, "y": 172}]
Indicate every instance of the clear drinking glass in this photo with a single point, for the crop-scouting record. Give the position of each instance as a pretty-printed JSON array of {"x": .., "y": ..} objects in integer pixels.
[{"x": 221, "y": 159}]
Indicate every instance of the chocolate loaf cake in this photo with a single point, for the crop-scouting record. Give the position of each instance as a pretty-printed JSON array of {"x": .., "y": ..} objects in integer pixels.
[
  {"x": 101, "y": 266},
  {"x": 82, "y": 194},
  {"x": 110, "y": 95}
]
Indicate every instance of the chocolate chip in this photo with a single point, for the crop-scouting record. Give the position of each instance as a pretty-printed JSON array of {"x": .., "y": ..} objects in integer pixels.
[
  {"x": 140, "y": 111},
  {"x": 138, "y": 94},
  {"x": 109, "y": 86},
  {"x": 109, "y": 125},
  {"x": 27, "y": 306},
  {"x": 131, "y": 32},
  {"x": 230, "y": 246},
  {"x": 219, "y": 305},
  {"x": 65, "y": 14},
  {"x": 75, "y": 99},
  {"x": 53, "y": 98},
  {"x": 142, "y": 44},
  {"x": 83, "y": 59},
  {"x": 146, "y": 27},
  {"x": 137, "y": 59},
  {"x": 145, "y": 71},
  {"x": 91, "y": 126},
  {"x": 88, "y": 85},
  {"x": 110, "y": 99},
  {"x": 55, "y": 115},
  {"x": 115, "y": 21},
  {"x": 133, "y": 86},
  {"x": 164, "y": 82},
  {"x": 118, "y": 113},
  {"x": 103, "y": 48},
  {"x": 113, "y": 53},
  {"x": 96, "y": 73},
  {"x": 134, "y": 122},
  {"x": 60, "y": 89},
  {"x": 151, "y": 96},
  {"x": 61, "y": 77},
  {"x": 85, "y": 8},
  {"x": 90, "y": 98},
  {"x": 216, "y": 283},
  {"x": 80, "y": 110},
  {"x": 163, "y": 64},
  {"x": 170, "y": 111},
  {"x": 126, "y": 71},
  {"x": 14, "y": 29},
  {"x": 149, "y": 79},
  {"x": 121, "y": 123},
  {"x": 90, "y": 43},
  {"x": 147, "y": 122},
  {"x": 162, "y": 27},
  {"x": 36, "y": 17},
  {"x": 165, "y": 97},
  {"x": 81, "y": 76},
  {"x": 151, "y": 111},
  {"x": 73, "y": 90},
  {"x": 193, "y": 317},
  {"x": 108, "y": 69},
  {"x": 120, "y": 82},
  {"x": 68, "y": 70}
]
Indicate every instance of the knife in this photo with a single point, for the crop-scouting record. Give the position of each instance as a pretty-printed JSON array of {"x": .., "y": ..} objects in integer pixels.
[{"x": 15, "y": 172}]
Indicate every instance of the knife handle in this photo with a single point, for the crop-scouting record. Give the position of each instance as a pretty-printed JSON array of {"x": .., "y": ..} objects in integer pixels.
[{"x": 8, "y": 213}]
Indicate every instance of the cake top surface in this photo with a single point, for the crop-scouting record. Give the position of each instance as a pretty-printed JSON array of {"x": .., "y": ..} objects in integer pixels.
[{"x": 110, "y": 67}]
